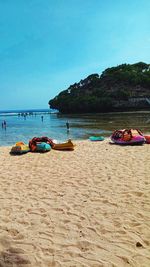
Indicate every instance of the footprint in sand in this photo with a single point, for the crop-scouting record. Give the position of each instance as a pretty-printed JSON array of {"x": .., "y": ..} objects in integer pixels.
[{"x": 11, "y": 256}]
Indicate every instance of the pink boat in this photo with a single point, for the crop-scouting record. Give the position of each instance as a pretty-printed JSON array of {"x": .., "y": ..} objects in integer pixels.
[{"x": 128, "y": 137}]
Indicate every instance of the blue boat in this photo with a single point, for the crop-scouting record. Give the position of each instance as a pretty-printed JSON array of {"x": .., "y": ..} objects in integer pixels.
[
  {"x": 42, "y": 147},
  {"x": 96, "y": 138}
]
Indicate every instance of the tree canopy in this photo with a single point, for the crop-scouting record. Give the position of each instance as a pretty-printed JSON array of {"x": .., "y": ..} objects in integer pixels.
[{"x": 101, "y": 93}]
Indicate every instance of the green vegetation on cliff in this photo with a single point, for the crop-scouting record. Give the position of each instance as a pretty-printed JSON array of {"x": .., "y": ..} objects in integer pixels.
[{"x": 118, "y": 88}]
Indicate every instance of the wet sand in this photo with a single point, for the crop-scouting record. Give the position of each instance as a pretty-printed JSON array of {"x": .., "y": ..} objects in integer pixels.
[{"x": 89, "y": 207}]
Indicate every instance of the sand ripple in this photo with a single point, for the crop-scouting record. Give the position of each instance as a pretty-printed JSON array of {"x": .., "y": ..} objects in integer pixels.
[{"x": 86, "y": 208}]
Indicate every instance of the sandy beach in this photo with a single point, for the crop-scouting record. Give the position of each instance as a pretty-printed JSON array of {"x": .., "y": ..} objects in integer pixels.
[{"x": 88, "y": 207}]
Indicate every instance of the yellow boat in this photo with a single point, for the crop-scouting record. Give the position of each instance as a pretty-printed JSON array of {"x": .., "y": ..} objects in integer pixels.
[
  {"x": 64, "y": 146},
  {"x": 20, "y": 148}
]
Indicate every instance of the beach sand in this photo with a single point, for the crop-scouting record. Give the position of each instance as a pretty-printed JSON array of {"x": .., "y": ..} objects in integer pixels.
[{"x": 88, "y": 207}]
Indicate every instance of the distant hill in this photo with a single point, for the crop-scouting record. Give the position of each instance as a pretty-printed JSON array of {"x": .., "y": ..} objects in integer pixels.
[{"x": 125, "y": 87}]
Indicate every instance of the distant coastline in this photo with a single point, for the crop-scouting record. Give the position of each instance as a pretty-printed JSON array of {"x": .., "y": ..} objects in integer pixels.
[{"x": 19, "y": 111}]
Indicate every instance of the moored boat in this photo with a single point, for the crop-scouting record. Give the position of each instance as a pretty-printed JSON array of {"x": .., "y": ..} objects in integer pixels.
[
  {"x": 40, "y": 144},
  {"x": 63, "y": 146},
  {"x": 96, "y": 138},
  {"x": 43, "y": 147},
  {"x": 128, "y": 137},
  {"x": 19, "y": 148}
]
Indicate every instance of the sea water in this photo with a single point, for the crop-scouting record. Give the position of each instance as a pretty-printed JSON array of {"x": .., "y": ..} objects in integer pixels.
[{"x": 53, "y": 125}]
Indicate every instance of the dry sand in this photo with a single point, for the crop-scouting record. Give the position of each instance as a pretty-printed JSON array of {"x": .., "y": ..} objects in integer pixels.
[{"x": 89, "y": 207}]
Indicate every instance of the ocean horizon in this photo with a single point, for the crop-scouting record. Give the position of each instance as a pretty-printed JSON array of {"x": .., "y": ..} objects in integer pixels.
[{"x": 17, "y": 111}]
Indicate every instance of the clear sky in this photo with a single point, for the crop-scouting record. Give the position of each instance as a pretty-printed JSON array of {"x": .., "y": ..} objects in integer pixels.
[{"x": 47, "y": 45}]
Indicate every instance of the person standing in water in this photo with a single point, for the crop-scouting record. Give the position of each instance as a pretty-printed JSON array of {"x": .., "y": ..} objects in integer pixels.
[
  {"x": 4, "y": 125},
  {"x": 68, "y": 126},
  {"x": 42, "y": 118}
]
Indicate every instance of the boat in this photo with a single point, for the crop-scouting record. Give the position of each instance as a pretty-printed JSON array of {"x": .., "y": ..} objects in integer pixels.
[
  {"x": 147, "y": 139},
  {"x": 40, "y": 144},
  {"x": 20, "y": 148},
  {"x": 96, "y": 138},
  {"x": 42, "y": 147},
  {"x": 68, "y": 145},
  {"x": 128, "y": 137}
]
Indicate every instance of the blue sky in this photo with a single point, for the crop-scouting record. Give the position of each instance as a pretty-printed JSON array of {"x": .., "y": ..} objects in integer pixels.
[{"x": 46, "y": 45}]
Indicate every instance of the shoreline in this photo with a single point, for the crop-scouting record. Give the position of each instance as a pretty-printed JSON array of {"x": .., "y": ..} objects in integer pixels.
[
  {"x": 81, "y": 127},
  {"x": 87, "y": 207}
]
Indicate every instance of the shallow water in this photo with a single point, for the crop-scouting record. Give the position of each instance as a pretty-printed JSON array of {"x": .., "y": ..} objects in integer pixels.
[{"x": 81, "y": 125}]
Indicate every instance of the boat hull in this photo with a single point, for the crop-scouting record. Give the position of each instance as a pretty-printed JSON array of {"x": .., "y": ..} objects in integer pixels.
[
  {"x": 128, "y": 137},
  {"x": 64, "y": 146},
  {"x": 19, "y": 148},
  {"x": 96, "y": 138},
  {"x": 131, "y": 142}
]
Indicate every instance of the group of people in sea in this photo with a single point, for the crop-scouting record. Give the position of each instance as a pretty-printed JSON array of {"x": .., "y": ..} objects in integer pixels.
[{"x": 4, "y": 124}]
